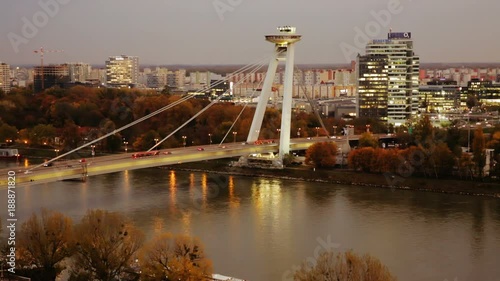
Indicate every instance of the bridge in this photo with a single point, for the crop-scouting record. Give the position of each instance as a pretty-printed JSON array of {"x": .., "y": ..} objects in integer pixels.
[
  {"x": 75, "y": 169},
  {"x": 283, "y": 51}
]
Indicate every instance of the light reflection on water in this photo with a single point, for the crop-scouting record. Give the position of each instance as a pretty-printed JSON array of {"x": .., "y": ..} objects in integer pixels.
[{"x": 258, "y": 228}]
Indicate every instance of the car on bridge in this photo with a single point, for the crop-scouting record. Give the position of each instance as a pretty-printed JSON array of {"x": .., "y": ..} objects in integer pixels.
[
  {"x": 200, "y": 149},
  {"x": 166, "y": 152},
  {"x": 145, "y": 154}
]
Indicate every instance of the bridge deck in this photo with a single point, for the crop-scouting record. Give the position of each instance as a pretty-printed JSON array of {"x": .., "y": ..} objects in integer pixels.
[{"x": 115, "y": 163}]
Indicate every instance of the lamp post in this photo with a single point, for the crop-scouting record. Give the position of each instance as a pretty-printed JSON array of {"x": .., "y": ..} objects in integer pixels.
[
  {"x": 126, "y": 146},
  {"x": 468, "y": 134},
  {"x": 278, "y": 131},
  {"x": 234, "y": 136},
  {"x": 368, "y": 128},
  {"x": 184, "y": 141},
  {"x": 210, "y": 138},
  {"x": 93, "y": 150},
  {"x": 156, "y": 142},
  {"x": 57, "y": 152},
  {"x": 317, "y": 131},
  {"x": 298, "y": 132}
]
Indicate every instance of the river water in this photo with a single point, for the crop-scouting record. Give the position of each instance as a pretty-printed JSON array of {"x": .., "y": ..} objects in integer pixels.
[{"x": 260, "y": 229}]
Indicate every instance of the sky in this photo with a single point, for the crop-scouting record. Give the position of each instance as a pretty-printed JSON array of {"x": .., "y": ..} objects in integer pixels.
[{"x": 191, "y": 32}]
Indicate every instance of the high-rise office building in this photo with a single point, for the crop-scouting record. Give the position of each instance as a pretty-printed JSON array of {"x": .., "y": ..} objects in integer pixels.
[
  {"x": 5, "y": 77},
  {"x": 402, "y": 77},
  {"x": 50, "y": 75},
  {"x": 122, "y": 71},
  {"x": 373, "y": 86}
]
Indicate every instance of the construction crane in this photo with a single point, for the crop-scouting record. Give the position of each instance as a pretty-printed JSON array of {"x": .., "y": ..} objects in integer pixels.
[{"x": 42, "y": 51}]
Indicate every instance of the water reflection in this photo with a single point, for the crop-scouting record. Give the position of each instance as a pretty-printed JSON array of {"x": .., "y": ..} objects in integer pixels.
[{"x": 257, "y": 228}]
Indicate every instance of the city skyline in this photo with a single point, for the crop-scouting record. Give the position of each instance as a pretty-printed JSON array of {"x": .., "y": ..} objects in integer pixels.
[{"x": 232, "y": 31}]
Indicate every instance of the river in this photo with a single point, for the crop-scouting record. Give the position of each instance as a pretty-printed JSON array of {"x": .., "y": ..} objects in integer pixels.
[{"x": 260, "y": 229}]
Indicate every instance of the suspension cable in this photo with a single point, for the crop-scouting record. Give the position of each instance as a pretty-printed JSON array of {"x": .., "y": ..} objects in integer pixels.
[{"x": 201, "y": 111}]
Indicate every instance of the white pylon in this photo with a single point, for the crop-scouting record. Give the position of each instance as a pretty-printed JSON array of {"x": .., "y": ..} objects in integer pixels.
[{"x": 283, "y": 51}]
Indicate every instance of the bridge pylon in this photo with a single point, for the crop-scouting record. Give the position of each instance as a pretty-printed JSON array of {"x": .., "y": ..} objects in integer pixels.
[{"x": 284, "y": 50}]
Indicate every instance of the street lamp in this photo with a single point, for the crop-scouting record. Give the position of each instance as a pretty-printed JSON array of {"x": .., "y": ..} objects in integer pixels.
[
  {"x": 317, "y": 131},
  {"x": 334, "y": 130},
  {"x": 298, "y": 132},
  {"x": 184, "y": 141},
  {"x": 279, "y": 131},
  {"x": 210, "y": 138},
  {"x": 368, "y": 128},
  {"x": 156, "y": 142},
  {"x": 57, "y": 152},
  {"x": 234, "y": 136},
  {"x": 468, "y": 134},
  {"x": 93, "y": 150},
  {"x": 126, "y": 146}
]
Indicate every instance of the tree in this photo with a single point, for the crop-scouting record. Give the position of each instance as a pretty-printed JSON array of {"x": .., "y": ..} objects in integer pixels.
[
  {"x": 105, "y": 243},
  {"x": 424, "y": 132},
  {"x": 322, "y": 154},
  {"x": 368, "y": 140},
  {"x": 43, "y": 134},
  {"x": 478, "y": 149},
  {"x": 494, "y": 143},
  {"x": 168, "y": 257},
  {"x": 344, "y": 267},
  {"x": 70, "y": 134},
  {"x": 441, "y": 160},
  {"x": 146, "y": 141},
  {"x": 45, "y": 242},
  {"x": 8, "y": 132},
  {"x": 361, "y": 159}
]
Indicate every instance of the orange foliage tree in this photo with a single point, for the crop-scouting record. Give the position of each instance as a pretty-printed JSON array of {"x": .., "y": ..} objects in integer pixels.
[{"x": 322, "y": 154}]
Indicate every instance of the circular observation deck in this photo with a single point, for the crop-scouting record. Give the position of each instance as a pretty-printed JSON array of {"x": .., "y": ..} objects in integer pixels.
[{"x": 283, "y": 39}]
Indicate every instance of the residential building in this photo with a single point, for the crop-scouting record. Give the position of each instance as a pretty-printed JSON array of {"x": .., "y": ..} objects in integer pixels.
[
  {"x": 79, "y": 71},
  {"x": 4, "y": 77}
]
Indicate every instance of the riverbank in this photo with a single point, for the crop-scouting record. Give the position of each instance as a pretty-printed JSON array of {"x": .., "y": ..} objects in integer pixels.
[{"x": 347, "y": 177}]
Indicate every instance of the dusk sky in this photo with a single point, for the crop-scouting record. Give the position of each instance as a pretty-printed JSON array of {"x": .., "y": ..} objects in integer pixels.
[{"x": 163, "y": 32}]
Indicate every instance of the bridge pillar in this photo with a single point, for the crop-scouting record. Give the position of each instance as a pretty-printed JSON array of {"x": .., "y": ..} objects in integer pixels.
[{"x": 283, "y": 51}]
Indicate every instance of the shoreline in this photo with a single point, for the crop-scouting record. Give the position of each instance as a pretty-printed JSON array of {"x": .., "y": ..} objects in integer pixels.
[{"x": 445, "y": 186}]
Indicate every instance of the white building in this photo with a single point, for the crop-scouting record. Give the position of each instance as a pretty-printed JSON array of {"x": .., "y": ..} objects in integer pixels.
[
  {"x": 79, "y": 71},
  {"x": 122, "y": 71}
]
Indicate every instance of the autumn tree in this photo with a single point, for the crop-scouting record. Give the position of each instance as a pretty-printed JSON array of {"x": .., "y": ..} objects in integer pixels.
[
  {"x": 180, "y": 257},
  {"x": 494, "y": 143},
  {"x": 105, "y": 244},
  {"x": 45, "y": 241},
  {"x": 7, "y": 132},
  {"x": 424, "y": 132},
  {"x": 441, "y": 160},
  {"x": 146, "y": 141},
  {"x": 361, "y": 159},
  {"x": 368, "y": 140},
  {"x": 344, "y": 266},
  {"x": 70, "y": 134},
  {"x": 322, "y": 154},
  {"x": 478, "y": 149}
]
